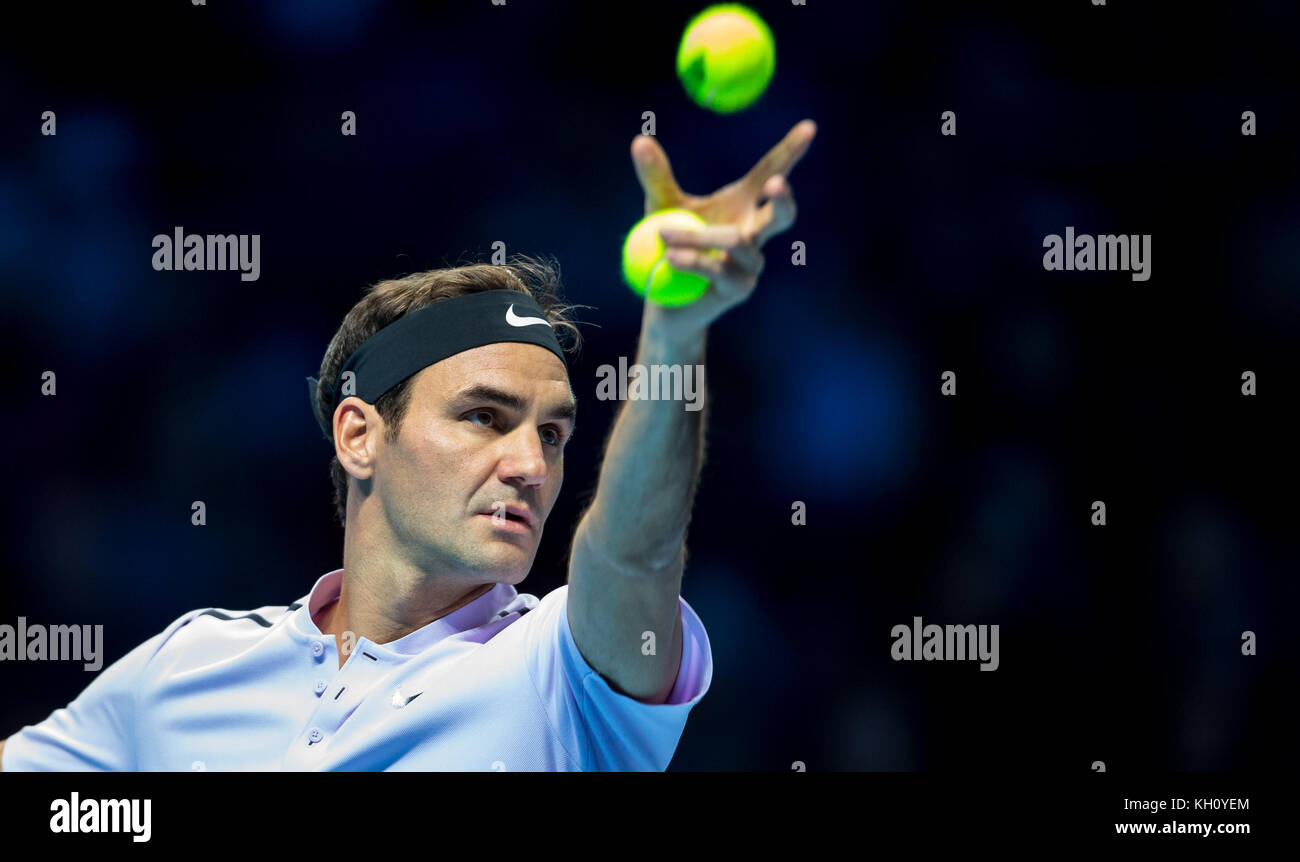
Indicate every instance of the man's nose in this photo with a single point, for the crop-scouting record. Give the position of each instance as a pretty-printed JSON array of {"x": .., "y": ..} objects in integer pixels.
[{"x": 524, "y": 460}]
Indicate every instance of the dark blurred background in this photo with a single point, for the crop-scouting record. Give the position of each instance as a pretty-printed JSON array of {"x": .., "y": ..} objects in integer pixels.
[{"x": 479, "y": 123}]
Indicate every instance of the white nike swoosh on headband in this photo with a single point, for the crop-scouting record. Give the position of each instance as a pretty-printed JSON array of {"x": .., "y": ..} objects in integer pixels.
[{"x": 515, "y": 320}]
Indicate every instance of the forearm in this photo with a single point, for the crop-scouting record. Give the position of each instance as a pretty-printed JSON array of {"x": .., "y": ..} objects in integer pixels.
[{"x": 652, "y": 461}]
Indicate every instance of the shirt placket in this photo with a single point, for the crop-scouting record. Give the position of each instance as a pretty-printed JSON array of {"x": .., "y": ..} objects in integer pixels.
[{"x": 338, "y": 694}]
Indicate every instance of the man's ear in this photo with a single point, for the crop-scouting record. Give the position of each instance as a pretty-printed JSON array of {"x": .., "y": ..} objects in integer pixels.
[{"x": 357, "y": 430}]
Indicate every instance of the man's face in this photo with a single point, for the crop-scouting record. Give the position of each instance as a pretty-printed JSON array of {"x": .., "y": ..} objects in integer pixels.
[{"x": 484, "y": 429}]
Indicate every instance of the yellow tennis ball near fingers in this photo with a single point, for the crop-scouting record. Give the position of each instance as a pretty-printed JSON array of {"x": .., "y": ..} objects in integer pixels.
[
  {"x": 647, "y": 271},
  {"x": 726, "y": 58}
]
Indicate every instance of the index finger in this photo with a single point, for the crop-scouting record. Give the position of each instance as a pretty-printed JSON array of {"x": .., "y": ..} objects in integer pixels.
[
  {"x": 654, "y": 173},
  {"x": 782, "y": 158}
]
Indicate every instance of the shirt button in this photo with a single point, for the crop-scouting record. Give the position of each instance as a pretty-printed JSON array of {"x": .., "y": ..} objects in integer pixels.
[
  {"x": 314, "y": 735},
  {"x": 317, "y": 649},
  {"x": 320, "y": 686}
]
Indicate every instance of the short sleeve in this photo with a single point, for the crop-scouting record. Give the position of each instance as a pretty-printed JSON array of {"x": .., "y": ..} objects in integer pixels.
[
  {"x": 602, "y": 729},
  {"x": 95, "y": 732}
]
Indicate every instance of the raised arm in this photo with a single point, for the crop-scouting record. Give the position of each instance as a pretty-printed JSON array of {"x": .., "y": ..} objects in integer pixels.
[
  {"x": 629, "y": 550},
  {"x": 625, "y": 568}
]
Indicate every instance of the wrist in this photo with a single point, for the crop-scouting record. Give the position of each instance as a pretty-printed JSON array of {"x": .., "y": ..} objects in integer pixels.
[
  {"x": 679, "y": 329},
  {"x": 672, "y": 341}
]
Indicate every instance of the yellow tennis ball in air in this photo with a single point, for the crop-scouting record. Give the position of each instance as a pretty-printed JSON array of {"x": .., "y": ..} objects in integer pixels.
[
  {"x": 647, "y": 271},
  {"x": 726, "y": 58}
]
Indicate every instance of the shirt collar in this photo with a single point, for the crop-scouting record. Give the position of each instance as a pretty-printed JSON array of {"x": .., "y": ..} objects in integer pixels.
[{"x": 478, "y": 612}]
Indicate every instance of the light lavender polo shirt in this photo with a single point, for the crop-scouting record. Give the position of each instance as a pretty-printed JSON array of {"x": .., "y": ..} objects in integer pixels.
[{"x": 498, "y": 684}]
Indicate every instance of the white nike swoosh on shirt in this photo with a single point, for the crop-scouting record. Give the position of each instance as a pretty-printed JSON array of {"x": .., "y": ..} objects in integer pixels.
[
  {"x": 399, "y": 701},
  {"x": 515, "y": 320}
]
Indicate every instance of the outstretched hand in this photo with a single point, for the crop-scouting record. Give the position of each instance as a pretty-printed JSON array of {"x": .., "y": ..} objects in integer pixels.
[{"x": 740, "y": 217}]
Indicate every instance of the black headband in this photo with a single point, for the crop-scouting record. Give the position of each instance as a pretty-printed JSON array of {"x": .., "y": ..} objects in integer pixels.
[{"x": 431, "y": 334}]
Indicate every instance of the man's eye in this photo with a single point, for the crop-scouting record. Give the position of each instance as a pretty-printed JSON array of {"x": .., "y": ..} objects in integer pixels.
[{"x": 551, "y": 434}]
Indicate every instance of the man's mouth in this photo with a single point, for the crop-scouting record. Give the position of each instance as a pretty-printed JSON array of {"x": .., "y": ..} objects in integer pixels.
[{"x": 518, "y": 516}]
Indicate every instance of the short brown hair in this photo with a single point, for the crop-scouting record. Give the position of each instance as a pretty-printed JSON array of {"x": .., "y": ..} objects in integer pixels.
[{"x": 389, "y": 300}]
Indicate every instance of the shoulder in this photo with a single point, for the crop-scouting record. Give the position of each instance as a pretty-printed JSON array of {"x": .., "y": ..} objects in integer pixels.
[
  {"x": 206, "y": 634},
  {"x": 265, "y": 617}
]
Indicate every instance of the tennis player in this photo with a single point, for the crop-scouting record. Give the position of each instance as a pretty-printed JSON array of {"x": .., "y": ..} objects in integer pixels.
[{"x": 447, "y": 400}]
